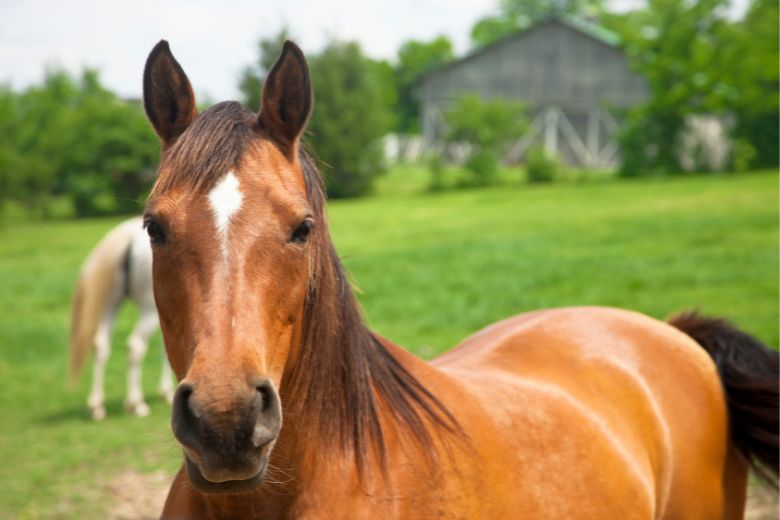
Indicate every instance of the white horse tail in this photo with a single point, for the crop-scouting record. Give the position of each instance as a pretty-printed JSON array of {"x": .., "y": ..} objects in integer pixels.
[{"x": 99, "y": 275}]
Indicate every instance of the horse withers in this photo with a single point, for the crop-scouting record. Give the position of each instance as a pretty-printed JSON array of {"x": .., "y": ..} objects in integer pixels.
[
  {"x": 288, "y": 406},
  {"x": 119, "y": 268}
]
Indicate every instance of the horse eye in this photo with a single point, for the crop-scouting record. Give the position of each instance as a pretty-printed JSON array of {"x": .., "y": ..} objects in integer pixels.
[
  {"x": 155, "y": 232},
  {"x": 301, "y": 233}
]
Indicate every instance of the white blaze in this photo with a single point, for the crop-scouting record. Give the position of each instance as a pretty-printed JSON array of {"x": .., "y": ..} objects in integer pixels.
[{"x": 225, "y": 200}]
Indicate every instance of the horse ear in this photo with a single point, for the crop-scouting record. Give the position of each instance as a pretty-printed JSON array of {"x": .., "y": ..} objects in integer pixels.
[
  {"x": 287, "y": 99},
  {"x": 168, "y": 97}
]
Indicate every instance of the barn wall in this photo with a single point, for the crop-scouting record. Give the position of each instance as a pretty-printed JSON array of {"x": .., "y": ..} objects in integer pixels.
[{"x": 550, "y": 66}]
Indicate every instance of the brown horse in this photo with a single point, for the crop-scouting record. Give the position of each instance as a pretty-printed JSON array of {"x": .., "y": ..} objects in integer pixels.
[{"x": 288, "y": 406}]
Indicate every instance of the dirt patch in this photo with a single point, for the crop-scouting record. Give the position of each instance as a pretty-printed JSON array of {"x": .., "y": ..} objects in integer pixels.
[
  {"x": 138, "y": 496},
  {"x": 762, "y": 503},
  {"x": 135, "y": 496}
]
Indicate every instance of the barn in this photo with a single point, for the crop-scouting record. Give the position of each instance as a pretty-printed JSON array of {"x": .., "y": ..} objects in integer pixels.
[{"x": 571, "y": 75}]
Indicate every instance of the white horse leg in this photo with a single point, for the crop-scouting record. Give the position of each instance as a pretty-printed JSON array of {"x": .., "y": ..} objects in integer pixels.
[
  {"x": 138, "y": 343},
  {"x": 96, "y": 400}
]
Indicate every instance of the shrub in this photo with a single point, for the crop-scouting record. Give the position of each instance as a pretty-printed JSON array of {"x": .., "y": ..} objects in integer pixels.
[
  {"x": 489, "y": 127},
  {"x": 483, "y": 165},
  {"x": 351, "y": 114},
  {"x": 742, "y": 155},
  {"x": 540, "y": 167},
  {"x": 436, "y": 169}
]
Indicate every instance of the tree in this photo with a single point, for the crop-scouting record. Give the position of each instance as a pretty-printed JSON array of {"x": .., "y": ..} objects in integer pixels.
[
  {"x": 111, "y": 152},
  {"x": 9, "y": 155},
  {"x": 676, "y": 46},
  {"x": 33, "y": 144},
  {"x": 352, "y": 112},
  {"x": 515, "y": 15},
  {"x": 415, "y": 58},
  {"x": 698, "y": 61},
  {"x": 251, "y": 83},
  {"x": 488, "y": 127},
  {"x": 71, "y": 137},
  {"x": 749, "y": 68}
]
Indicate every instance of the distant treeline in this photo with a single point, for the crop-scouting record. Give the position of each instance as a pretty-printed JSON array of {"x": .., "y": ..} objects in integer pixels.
[{"x": 72, "y": 141}]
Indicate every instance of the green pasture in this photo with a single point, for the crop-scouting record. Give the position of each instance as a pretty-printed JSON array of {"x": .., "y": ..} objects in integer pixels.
[{"x": 430, "y": 268}]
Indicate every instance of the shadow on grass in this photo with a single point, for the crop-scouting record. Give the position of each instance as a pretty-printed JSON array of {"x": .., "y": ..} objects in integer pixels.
[{"x": 80, "y": 413}]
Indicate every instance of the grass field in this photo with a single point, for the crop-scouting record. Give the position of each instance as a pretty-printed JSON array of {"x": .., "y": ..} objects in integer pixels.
[{"x": 431, "y": 268}]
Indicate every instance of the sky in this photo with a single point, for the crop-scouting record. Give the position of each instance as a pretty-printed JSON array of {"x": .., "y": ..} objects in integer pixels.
[{"x": 213, "y": 40}]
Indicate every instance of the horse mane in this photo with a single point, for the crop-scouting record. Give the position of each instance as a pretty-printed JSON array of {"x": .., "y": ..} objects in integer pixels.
[
  {"x": 342, "y": 370},
  {"x": 341, "y": 373}
]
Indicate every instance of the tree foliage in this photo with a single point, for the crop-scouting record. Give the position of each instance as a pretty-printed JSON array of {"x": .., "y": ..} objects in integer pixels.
[
  {"x": 515, "y": 15},
  {"x": 415, "y": 58},
  {"x": 488, "y": 127},
  {"x": 353, "y": 104},
  {"x": 71, "y": 137},
  {"x": 750, "y": 67},
  {"x": 696, "y": 61},
  {"x": 673, "y": 53}
]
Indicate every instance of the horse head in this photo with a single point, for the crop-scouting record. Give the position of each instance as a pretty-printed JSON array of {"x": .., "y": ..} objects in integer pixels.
[{"x": 231, "y": 228}]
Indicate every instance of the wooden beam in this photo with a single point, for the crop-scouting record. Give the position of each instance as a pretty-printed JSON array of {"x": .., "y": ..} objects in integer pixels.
[
  {"x": 551, "y": 131},
  {"x": 580, "y": 151},
  {"x": 592, "y": 137},
  {"x": 519, "y": 148}
]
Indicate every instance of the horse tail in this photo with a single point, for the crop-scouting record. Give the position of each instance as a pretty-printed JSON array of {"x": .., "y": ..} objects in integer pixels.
[
  {"x": 94, "y": 288},
  {"x": 749, "y": 374}
]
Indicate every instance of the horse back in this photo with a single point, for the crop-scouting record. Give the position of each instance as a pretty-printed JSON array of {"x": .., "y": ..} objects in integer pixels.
[{"x": 611, "y": 411}]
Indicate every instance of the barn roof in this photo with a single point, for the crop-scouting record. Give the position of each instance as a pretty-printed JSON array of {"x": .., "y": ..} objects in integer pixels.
[
  {"x": 596, "y": 32},
  {"x": 591, "y": 30}
]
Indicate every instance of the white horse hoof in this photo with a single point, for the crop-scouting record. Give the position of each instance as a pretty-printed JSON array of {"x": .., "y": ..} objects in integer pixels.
[
  {"x": 138, "y": 409},
  {"x": 142, "y": 410},
  {"x": 98, "y": 413}
]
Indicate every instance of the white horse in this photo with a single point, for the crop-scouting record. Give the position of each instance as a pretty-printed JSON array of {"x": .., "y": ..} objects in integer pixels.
[{"x": 118, "y": 268}]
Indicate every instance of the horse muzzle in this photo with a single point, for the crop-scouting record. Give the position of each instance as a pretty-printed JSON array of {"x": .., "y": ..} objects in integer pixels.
[{"x": 227, "y": 448}]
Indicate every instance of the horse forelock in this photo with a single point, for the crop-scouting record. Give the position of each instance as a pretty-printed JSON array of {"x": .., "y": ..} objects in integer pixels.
[{"x": 212, "y": 145}]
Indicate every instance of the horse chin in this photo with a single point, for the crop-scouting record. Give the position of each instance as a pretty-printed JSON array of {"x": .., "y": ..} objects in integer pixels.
[{"x": 227, "y": 486}]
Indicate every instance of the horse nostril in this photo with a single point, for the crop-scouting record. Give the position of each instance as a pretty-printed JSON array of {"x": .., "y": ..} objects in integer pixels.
[
  {"x": 266, "y": 396},
  {"x": 184, "y": 416},
  {"x": 268, "y": 418}
]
